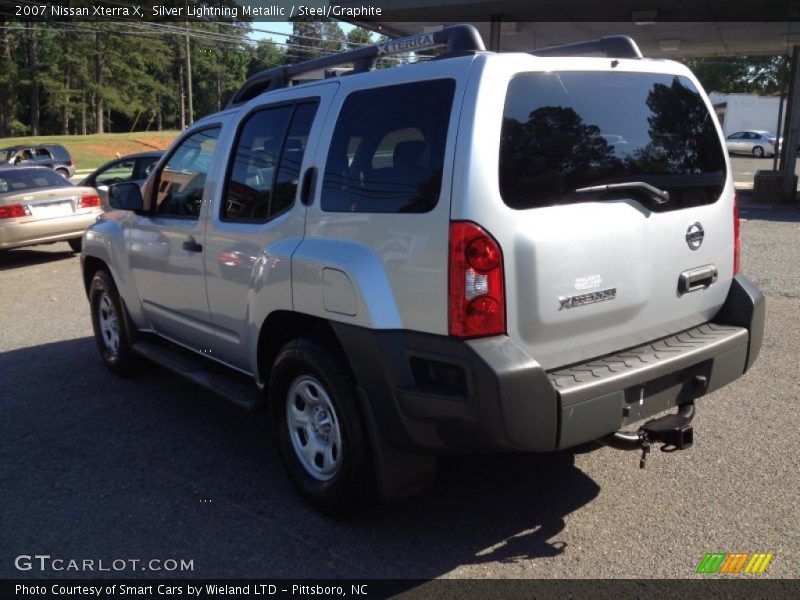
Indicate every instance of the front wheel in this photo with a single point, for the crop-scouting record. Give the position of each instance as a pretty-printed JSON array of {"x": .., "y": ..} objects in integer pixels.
[
  {"x": 758, "y": 152},
  {"x": 318, "y": 428},
  {"x": 110, "y": 327}
]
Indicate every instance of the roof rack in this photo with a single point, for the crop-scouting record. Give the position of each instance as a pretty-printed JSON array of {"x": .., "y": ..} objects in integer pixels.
[
  {"x": 458, "y": 39},
  {"x": 613, "y": 46}
]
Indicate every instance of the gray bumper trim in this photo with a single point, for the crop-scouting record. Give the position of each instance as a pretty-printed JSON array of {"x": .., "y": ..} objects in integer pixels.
[{"x": 643, "y": 363}]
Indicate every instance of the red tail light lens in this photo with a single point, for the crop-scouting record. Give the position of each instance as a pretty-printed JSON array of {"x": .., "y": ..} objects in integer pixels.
[
  {"x": 737, "y": 244},
  {"x": 70, "y": 162},
  {"x": 89, "y": 201},
  {"x": 14, "y": 211},
  {"x": 477, "y": 306}
]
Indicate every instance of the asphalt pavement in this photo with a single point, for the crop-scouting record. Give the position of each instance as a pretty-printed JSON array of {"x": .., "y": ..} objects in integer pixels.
[{"x": 100, "y": 468}]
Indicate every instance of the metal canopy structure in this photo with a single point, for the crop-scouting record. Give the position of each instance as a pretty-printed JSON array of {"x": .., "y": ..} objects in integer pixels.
[
  {"x": 661, "y": 28},
  {"x": 656, "y": 40}
]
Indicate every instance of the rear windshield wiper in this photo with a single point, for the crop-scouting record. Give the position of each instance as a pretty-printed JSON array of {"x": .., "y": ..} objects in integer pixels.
[{"x": 655, "y": 194}]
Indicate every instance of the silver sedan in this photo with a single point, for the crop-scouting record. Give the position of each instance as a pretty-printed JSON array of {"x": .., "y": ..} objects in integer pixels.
[{"x": 755, "y": 143}]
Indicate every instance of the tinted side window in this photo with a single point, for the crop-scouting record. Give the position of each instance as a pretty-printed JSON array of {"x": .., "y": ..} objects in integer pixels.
[
  {"x": 292, "y": 158},
  {"x": 387, "y": 151},
  {"x": 263, "y": 175},
  {"x": 179, "y": 187},
  {"x": 116, "y": 173}
]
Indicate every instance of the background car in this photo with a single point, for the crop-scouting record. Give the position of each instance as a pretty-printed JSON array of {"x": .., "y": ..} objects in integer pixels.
[
  {"x": 54, "y": 156},
  {"x": 39, "y": 206},
  {"x": 133, "y": 168},
  {"x": 755, "y": 143}
]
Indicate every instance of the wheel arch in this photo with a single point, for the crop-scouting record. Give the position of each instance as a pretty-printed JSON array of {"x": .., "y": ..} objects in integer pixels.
[
  {"x": 280, "y": 326},
  {"x": 91, "y": 265}
]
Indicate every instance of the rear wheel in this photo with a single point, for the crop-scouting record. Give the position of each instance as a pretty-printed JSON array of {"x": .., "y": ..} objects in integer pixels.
[
  {"x": 110, "y": 327},
  {"x": 63, "y": 172},
  {"x": 75, "y": 244},
  {"x": 758, "y": 151},
  {"x": 318, "y": 428}
]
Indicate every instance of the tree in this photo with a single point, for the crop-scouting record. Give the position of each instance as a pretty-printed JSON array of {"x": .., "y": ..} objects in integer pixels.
[
  {"x": 743, "y": 74},
  {"x": 8, "y": 78},
  {"x": 312, "y": 39},
  {"x": 358, "y": 38},
  {"x": 264, "y": 56}
]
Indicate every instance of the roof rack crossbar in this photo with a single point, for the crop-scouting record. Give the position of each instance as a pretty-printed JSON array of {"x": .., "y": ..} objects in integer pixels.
[
  {"x": 458, "y": 39},
  {"x": 613, "y": 46}
]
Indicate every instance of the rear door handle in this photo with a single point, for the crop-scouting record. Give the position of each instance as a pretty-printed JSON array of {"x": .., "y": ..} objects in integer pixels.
[
  {"x": 697, "y": 279},
  {"x": 191, "y": 245},
  {"x": 307, "y": 189}
]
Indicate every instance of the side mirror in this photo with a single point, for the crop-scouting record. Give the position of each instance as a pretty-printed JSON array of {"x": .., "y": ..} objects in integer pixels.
[{"x": 125, "y": 196}]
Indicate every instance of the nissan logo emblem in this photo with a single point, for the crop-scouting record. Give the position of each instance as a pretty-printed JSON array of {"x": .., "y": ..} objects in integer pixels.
[{"x": 694, "y": 236}]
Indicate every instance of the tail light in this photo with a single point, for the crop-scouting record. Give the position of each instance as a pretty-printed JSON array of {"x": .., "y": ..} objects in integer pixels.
[
  {"x": 477, "y": 304},
  {"x": 14, "y": 211},
  {"x": 737, "y": 244},
  {"x": 89, "y": 201},
  {"x": 70, "y": 162}
]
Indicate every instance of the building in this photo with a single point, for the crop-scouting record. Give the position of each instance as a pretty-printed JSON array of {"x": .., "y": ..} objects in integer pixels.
[{"x": 742, "y": 112}]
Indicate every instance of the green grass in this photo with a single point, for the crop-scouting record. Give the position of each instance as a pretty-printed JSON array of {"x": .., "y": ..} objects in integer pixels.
[{"x": 91, "y": 151}]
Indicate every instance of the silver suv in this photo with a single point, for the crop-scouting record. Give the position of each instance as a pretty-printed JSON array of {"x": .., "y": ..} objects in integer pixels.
[{"x": 479, "y": 252}]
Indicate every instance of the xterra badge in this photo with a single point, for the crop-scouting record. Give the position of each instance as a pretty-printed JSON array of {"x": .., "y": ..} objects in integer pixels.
[{"x": 584, "y": 299}]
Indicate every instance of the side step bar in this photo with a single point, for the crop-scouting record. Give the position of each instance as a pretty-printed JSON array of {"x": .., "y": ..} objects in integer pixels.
[{"x": 237, "y": 388}]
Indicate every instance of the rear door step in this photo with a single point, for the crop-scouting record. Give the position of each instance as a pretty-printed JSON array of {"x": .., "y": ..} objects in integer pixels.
[
  {"x": 646, "y": 362},
  {"x": 238, "y": 388}
]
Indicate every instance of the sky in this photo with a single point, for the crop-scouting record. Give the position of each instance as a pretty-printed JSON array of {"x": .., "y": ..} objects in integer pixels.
[{"x": 280, "y": 30}]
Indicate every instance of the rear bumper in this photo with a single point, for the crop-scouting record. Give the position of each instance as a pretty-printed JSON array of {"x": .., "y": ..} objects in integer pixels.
[
  {"x": 29, "y": 233},
  {"x": 438, "y": 394}
]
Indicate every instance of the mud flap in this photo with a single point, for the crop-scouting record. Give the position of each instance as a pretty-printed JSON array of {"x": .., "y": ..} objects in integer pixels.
[{"x": 398, "y": 473}]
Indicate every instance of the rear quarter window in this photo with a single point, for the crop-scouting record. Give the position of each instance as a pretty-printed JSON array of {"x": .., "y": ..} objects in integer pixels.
[
  {"x": 387, "y": 150},
  {"x": 563, "y": 131}
]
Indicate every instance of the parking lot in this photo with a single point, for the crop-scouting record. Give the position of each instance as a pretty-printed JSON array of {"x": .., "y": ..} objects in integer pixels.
[{"x": 95, "y": 467}]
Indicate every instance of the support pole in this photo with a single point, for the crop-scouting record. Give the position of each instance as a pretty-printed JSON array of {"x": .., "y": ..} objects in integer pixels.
[
  {"x": 494, "y": 33},
  {"x": 189, "y": 76},
  {"x": 791, "y": 130}
]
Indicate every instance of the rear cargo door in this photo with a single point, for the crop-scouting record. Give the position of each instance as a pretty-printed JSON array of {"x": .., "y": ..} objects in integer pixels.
[{"x": 622, "y": 227}]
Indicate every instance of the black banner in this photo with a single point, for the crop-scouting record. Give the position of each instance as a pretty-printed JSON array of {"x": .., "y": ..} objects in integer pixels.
[
  {"x": 440, "y": 589},
  {"x": 387, "y": 11}
]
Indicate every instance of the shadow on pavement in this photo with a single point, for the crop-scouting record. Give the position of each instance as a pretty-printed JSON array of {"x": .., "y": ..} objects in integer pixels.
[
  {"x": 152, "y": 466},
  {"x": 26, "y": 257},
  {"x": 762, "y": 211}
]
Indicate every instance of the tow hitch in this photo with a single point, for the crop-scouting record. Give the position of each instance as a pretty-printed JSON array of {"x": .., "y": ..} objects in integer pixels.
[{"x": 674, "y": 431}]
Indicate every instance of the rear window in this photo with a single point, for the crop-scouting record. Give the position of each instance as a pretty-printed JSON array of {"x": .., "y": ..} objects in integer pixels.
[
  {"x": 59, "y": 153},
  {"x": 571, "y": 130},
  {"x": 19, "y": 180},
  {"x": 387, "y": 151}
]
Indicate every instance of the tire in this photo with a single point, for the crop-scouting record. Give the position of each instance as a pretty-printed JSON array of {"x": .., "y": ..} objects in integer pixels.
[
  {"x": 63, "y": 172},
  {"x": 318, "y": 428},
  {"x": 758, "y": 151},
  {"x": 110, "y": 326},
  {"x": 75, "y": 244}
]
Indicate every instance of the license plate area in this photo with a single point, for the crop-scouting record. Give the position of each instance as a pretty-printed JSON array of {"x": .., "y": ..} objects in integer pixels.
[
  {"x": 664, "y": 393},
  {"x": 52, "y": 210}
]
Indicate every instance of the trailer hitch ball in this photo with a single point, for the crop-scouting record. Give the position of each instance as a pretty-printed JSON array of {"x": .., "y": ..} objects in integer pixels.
[{"x": 673, "y": 431}]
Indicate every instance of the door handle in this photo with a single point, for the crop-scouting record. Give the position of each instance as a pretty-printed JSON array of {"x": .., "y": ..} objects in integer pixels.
[
  {"x": 191, "y": 245},
  {"x": 307, "y": 190},
  {"x": 697, "y": 279}
]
